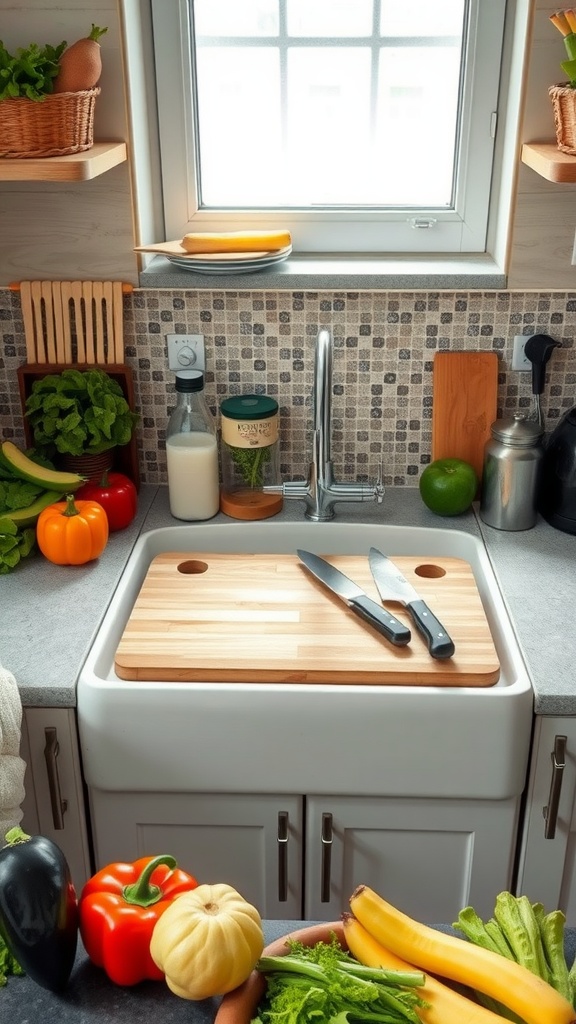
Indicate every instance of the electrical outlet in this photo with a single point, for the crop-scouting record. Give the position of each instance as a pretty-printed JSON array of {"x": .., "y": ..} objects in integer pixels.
[
  {"x": 185, "y": 351},
  {"x": 519, "y": 360}
]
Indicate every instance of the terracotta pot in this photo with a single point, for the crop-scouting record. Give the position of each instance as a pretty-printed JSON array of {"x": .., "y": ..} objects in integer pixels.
[{"x": 564, "y": 106}]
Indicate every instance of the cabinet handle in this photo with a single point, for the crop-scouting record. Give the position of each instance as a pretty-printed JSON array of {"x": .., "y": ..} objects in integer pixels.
[
  {"x": 282, "y": 856},
  {"x": 51, "y": 752},
  {"x": 326, "y": 840},
  {"x": 550, "y": 812}
]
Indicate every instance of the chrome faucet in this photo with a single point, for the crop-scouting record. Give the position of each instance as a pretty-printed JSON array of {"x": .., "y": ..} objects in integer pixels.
[{"x": 320, "y": 491}]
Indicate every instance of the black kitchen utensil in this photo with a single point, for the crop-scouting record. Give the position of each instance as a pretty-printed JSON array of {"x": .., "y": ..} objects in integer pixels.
[{"x": 538, "y": 350}]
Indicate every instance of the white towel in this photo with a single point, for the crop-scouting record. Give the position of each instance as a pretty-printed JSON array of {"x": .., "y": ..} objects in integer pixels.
[{"x": 12, "y": 767}]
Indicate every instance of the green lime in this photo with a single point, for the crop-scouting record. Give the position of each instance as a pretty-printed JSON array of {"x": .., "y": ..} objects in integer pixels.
[{"x": 448, "y": 486}]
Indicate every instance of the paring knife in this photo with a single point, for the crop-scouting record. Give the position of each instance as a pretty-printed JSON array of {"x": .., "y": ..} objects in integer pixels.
[
  {"x": 344, "y": 588},
  {"x": 393, "y": 586}
]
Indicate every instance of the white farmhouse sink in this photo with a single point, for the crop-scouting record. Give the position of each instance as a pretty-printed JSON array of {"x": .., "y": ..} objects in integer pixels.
[{"x": 455, "y": 742}]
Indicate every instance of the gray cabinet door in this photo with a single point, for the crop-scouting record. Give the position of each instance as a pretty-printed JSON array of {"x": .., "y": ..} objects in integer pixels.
[
  {"x": 252, "y": 842},
  {"x": 547, "y": 863},
  {"x": 54, "y": 802},
  {"x": 429, "y": 858}
]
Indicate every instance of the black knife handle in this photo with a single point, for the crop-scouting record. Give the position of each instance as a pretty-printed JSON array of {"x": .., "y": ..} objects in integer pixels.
[
  {"x": 394, "y": 631},
  {"x": 439, "y": 643}
]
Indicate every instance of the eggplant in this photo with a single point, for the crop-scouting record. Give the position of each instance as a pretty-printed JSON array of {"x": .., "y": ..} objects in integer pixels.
[{"x": 38, "y": 908}]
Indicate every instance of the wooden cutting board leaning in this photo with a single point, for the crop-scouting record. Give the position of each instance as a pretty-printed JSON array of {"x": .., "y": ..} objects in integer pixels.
[
  {"x": 465, "y": 404},
  {"x": 263, "y": 618}
]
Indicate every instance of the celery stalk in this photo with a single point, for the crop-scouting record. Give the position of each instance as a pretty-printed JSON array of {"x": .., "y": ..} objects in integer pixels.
[
  {"x": 528, "y": 917},
  {"x": 517, "y": 921},
  {"x": 552, "y": 932},
  {"x": 479, "y": 933},
  {"x": 495, "y": 932}
]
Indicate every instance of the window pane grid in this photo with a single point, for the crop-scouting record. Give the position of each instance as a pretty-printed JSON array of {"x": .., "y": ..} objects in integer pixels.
[
  {"x": 372, "y": 115},
  {"x": 366, "y": 91}
]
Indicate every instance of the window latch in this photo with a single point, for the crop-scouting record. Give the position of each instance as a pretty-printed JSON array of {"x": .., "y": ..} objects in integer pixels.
[{"x": 422, "y": 222}]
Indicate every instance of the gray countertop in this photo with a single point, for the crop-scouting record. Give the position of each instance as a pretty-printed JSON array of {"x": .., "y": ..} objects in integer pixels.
[
  {"x": 90, "y": 998},
  {"x": 50, "y": 614}
]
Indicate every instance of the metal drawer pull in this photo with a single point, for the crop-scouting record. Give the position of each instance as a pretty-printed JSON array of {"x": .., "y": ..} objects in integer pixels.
[
  {"x": 51, "y": 751},
  {"x": 326, "y": 841},
  {"x": 282, "y": 856},
  {"x": 558, "y": 765}
]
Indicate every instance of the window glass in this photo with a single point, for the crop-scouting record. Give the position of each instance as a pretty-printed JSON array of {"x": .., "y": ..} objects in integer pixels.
[{"x": 311, "y": 114}]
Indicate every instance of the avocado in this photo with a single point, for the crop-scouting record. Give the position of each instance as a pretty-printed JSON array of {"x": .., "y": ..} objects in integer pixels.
[
  {"x": 26, "y": 469},
  {"x": 23, "y": 517}
]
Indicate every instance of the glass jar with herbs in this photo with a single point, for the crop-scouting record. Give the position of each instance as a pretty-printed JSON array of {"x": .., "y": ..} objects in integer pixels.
[{"x": 250, "y": 457}]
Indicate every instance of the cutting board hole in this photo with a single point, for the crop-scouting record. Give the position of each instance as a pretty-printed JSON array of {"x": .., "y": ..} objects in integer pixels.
[
  {"x": 192, "y": 566},
  {"x": 430, "y": 572}
]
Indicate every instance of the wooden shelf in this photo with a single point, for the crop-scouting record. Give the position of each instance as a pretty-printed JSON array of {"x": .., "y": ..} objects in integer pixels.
[
  {"x": 101, "y": 157},
  {"x": 549, "y": 162}
]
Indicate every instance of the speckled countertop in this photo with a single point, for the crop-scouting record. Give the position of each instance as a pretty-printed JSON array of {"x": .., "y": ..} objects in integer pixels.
[
  {"x": 50, "y": 614},
  {"x": 90, "y": 998}
]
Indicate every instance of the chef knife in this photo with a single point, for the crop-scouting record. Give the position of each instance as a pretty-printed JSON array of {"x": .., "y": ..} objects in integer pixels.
[
  {"x": 393, "y": 586},
  {"x": 382, "y": 620}
]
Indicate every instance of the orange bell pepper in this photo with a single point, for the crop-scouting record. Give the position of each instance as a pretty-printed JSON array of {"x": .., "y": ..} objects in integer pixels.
[
  {"x": 72, "y": 532},
  {"x": 119, "y": 907}
]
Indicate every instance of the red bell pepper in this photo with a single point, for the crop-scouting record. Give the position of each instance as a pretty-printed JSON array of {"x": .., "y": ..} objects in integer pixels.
[
  {"x": 119, "y": 907},
  {"x": 118, "y": 496}
]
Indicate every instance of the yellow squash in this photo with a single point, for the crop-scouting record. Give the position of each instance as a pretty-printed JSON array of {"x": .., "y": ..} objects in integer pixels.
[
  {"x": 207, "y": 942},
  {"x": 235, "y": 241},
  {"x": 531, "y": 998},
  {"x": 445, "y": 1006}
]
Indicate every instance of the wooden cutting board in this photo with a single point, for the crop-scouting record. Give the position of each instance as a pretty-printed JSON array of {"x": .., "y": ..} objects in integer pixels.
[
  {"x": 465, "y": 405},
  {"x": 264, "y": 618}
]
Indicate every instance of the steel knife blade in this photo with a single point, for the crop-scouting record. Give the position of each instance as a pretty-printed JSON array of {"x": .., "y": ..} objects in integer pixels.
[
  {"x": 356, "y": 599},
  {"x": 393, "y": 586}
]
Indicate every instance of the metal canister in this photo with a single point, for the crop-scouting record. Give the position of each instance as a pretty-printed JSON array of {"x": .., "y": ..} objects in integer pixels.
[{"x": 510, "y": 478}]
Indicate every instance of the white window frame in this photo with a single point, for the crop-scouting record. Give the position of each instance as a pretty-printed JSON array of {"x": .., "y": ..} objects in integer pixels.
[{"x": 365, "y": 232}]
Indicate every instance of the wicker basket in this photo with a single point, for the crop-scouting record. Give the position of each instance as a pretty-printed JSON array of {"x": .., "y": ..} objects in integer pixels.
[
  {"x": 60, "y": 124},
  {"x": 564, "y": 106}
]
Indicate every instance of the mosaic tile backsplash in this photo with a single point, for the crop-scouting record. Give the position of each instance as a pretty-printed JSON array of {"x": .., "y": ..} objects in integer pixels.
[{"x": 263, "y": 343}]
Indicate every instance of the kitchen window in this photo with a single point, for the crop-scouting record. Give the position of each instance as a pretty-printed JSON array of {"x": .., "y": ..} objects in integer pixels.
[{"x": 364, "y": 126}]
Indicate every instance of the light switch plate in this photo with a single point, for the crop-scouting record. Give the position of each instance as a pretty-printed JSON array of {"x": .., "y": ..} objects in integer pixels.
[{"x": 185, "y": 351}]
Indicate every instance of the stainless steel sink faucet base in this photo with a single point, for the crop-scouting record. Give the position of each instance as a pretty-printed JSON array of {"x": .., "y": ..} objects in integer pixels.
[{"x": 321, "y": 491}]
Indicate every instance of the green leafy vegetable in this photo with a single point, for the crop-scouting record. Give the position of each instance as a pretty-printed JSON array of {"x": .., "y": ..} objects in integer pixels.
[
  {"x": 522, "y": 931},
  {"x": 322, "y": 984},
  {"x": 8, "y": 964},
  {"x": 75, "y": 412},
  {"x": 16, "y": 494},
  {"x": 15, "y": 544},
  {"x": 29, "y": 72},
  {"x": 250, "y": 463}
]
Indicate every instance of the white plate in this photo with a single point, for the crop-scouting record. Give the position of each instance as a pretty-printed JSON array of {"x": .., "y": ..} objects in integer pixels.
[{"x": 229, "y": 266}]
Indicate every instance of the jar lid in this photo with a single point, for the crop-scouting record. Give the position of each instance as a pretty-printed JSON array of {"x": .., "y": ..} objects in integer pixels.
[
  {"x": 189, "y": 380},
  {"x": 249, "y": 407},
  {"x": 517, "y": 432}
]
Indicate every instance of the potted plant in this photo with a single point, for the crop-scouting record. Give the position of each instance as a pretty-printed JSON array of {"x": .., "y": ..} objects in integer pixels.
[
  {"x": 563, "y": 96},
  {"x": 77, "y": 414}
]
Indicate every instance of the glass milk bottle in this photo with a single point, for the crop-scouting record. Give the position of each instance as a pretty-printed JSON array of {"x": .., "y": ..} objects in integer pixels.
[{"x": 192, "y": 451}]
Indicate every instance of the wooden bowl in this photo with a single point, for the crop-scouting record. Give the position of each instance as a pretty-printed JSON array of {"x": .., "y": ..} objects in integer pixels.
[{"x": 239, "y": 1006}]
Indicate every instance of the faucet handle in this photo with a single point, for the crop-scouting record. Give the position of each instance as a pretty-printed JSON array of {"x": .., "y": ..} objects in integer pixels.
[{"x": 379, "y": 489}]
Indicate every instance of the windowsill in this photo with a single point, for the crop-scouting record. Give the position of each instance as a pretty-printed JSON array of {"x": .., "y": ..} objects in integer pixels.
[{"x": 329, "y": 273}]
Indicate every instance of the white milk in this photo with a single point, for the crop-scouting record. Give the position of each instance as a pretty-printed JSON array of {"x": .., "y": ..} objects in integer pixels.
[{"x": 193, "y": 484}]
